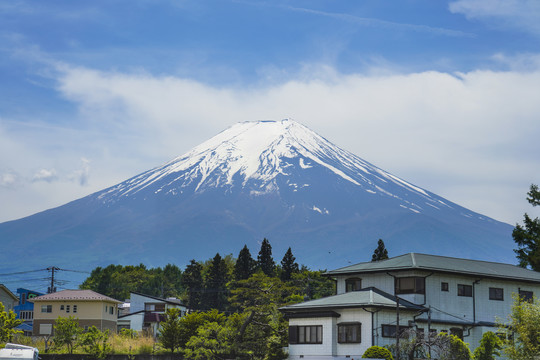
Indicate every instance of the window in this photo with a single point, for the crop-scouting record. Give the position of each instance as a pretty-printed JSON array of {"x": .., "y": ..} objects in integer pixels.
[
  {"x": 526, "y": 295},
  {"x": 67, "y": 308},
  {"x": 496, "y": 294},
  {"x": 349, "y": 333},
  {"x": 61, "y": 307},
  {"x": 457, "y": 332},
  {"x": 353, "y": 284},
  {"x": 46, "y": 308},
  {"x": 444, "y": 286},
  {"x": 411, "y": 285},
  {"x": 111, "y": 310},
  {"x": 390, "y": 330},
  {"x": 23, "y": 298},
  {"x": 26, "y": 315},
  {"x": 305, "y": 334},
  {"x": 74, "y": 308},
  {"x": 464, "y": 290}
]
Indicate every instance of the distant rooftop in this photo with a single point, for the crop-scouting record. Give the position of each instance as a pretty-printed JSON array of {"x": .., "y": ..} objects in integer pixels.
[
  {"x": 414, "y": 261},
  {"x": 75, "y": 295}
]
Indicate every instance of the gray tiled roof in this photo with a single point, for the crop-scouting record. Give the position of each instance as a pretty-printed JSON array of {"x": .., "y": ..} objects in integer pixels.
[
  {"x": 414, "y": 261},
  {"x": 63, "y": 295},
  {"x": 368, "y": 297}
]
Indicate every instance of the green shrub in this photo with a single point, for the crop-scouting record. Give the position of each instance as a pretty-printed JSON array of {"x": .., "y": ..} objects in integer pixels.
[{"x": 377, "y": 352}]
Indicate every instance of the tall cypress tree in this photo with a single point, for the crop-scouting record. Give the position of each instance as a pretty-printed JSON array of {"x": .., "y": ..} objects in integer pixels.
[
  {"x": 215, "y": 295},
  {"x": 265, "y": 262},
  {"x": 288, "y": 265},
  {"x": 380, "y": 252},
  {"x": 245, "y": 265},
  {"x": 192, "y": 281}
]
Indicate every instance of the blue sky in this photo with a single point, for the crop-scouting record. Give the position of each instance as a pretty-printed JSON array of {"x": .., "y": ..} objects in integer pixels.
[{"x": 445, "y": 94}]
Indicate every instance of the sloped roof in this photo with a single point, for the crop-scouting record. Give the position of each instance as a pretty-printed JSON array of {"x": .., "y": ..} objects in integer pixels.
[
  {"x": 168, "y": 301},
  {"x": 368, "y": 297},
  {"x": 85, "y": 295},
  {"x": 8, "y": 292},
  {"x": 414, "y": 261}
]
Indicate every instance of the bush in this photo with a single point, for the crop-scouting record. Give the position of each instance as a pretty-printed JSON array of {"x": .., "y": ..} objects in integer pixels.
[{"x": 377, "y": 352}]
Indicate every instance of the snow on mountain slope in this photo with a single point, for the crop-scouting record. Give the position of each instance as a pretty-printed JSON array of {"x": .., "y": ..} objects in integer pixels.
[{"x": 261, "y": 151}]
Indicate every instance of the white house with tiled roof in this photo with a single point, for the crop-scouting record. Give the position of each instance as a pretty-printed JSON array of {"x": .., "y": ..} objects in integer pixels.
[
  {"x": 7, "y": 298},
  {"x": 91, "y": 308},
  {"x": 436, "y": 294}
]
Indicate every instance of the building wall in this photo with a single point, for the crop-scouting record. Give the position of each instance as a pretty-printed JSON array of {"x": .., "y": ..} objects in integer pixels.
[
  {"x": 355, "y": 315},
  {"x": 7, "y": 300},
  {"x": 328, "y": 346},
  {"x": 447, "y": 306},
  {"x": 89, "y": 313},
  {"x": 84, "y": 323}
]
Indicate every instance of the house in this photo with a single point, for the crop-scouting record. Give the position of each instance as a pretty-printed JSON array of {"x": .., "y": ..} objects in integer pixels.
[
  {"x": 146, "y": 312},
  {"x": 7, "y": 298},
  {"x": 91, "y": 308},
  {"x": 429, "y": 293},
  {"x": 25, "y": 309}
]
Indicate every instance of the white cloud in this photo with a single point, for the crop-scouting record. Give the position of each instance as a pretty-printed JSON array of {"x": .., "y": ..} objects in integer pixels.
[
  {"x": 521, "y": 14},
  {"x": 471, "y": 137},
  {"x": 9, "y": 179},
  {"x": 48, "y": 175}
]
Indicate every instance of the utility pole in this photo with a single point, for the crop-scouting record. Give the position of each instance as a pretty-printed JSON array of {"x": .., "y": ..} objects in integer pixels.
[
  {"x": 52, "y": 288},
  {"x": 397, "y": 327}
]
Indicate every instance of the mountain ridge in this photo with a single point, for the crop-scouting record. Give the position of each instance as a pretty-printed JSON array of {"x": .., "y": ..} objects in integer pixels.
[{"x": 273, "y": 179}]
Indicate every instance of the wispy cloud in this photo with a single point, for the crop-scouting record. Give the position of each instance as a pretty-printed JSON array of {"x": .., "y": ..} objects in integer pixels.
[
  {"x": 520, "y": 14},
  {"x": 9, "y": 179},
  {"x": 47, "y": 175},
  {"x": 368, "y": 22},
  {"x": 81, "y": 175}
]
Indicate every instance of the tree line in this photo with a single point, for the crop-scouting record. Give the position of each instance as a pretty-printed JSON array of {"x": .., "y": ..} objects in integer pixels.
[{"x": 206, "y": 285}]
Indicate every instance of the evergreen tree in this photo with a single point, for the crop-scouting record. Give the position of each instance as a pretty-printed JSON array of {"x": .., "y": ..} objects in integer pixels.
[
  {"x": 380, "y": 252},
  {"x": 527, "y": 237},
  {"x": 192, "y": 280},
  {"x": 265, "y": 262},
  {"x": 215, "y": 293},
  {"x": 288, "y": 266},
  {"x": 245, "y": 265}
]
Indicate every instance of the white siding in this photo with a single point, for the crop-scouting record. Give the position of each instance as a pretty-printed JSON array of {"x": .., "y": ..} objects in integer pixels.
[{"x": 329, "y": 340}]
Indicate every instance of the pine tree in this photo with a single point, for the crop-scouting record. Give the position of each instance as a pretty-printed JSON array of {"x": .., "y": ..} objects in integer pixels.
[
  {"x": 288, "y": 265},
  {"x": 215, "y": 294},
  {"x": 265, "y": 262},
  {"x": 192, "y": 281},
  {"x": 527, "y": 237},
  {"x": 380, "y": 252},
  {"x": 245, "y": 265}
]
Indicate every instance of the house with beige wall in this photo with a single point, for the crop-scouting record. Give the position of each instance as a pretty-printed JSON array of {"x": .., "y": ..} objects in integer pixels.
[{"x": 89, "y": 307}]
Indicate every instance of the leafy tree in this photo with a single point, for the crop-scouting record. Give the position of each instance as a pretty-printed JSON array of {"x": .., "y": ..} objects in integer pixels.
[
  {"x": 489, "y": 347},
  {"x": 169, "y": 330},
  {"x": 380, "y": 252},
  {"x": 192, "y": 280},
  {"x": 245, "y": 265},
  {"x": 212, "y": 342},
  {"x": 190, "y": 324},
  {"x": 215, "y": 293},
  {"x": 265, "y": 262},
  {"x": 66, "y": 333},
  {"x": 313, "y": 284},
  {"x": 377, "y": 352},
  {"x": 527, "y": 237},
  {"x": 524, "y": 321},
  {"x": 288, "y": 265},
  {"x": 451, "y": 347},
  {"x": 8, "y": 323},
  {"x": 96, "y": 343}
]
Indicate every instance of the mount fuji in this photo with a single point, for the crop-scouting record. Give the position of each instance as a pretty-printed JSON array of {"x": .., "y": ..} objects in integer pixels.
[{"x": 273, "y": 179}]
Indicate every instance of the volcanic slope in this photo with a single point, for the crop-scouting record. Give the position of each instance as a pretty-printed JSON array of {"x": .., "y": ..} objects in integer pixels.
[{"x": 273, "y": 179}]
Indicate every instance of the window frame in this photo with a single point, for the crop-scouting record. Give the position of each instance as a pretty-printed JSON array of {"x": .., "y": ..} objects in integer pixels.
[
  {"x": 299, "y": 333},
  {"x": 46, "y": 308},
  {"x": 345, "y": 336},
  {"x": 526, "y": 295},
  {"x": 387, "y": 328},
  {"x": 353, "y": 284},
  {"x": 496, "y": 294},
  {"x": 419, "y": 285},
  {"x": 463, "y": 290},
  {"x": 444, "y": 286}
]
